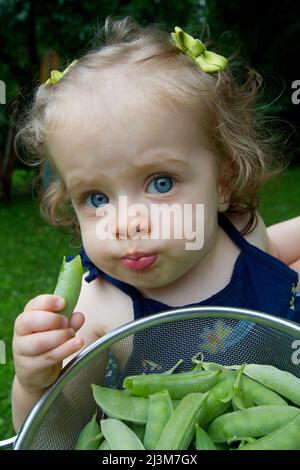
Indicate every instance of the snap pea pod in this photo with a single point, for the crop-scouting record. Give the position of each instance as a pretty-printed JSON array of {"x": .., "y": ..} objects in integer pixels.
[
  {"x": 160, "y": 410},
  {"x": 240, "y": 399},
  {"x": 90, "y": 437},
  {"x": 120, "y": 405},
  {"x": 286, "y": 437},
  {"x": 203, "y": 441},
  {"x": 218, "y": 399},
  {"x": 255, "y": 391},
  {"x": 179, "y": 431},
  {"x": 282, "y": 382},
  {"x": 253, "y": 422},
  {"x": 119, "y": 436},
  {"x": 178, "y": 385},
  {"x": 69, "y": 284},
  {"x": 261, "y": 395}
]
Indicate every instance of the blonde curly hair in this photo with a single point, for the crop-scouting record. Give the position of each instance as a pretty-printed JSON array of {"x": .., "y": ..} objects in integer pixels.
[{"x": 244, "y": 143}]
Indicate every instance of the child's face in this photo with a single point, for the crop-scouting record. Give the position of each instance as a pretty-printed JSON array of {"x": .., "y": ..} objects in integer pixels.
[{"x": 150, "y": 156}]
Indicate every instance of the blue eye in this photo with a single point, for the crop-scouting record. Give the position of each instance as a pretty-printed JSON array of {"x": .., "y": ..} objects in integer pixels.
[
  {"x": 162, "y": 184},
  {"x": 96, "y": 200}
]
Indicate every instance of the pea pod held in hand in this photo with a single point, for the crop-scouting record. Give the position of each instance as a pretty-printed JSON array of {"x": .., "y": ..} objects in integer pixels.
[{"x": 69, "y": 284}]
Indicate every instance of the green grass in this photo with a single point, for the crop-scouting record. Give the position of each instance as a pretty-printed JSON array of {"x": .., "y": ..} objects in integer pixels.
[
  {"x": 31, "y": 253},
  {"x": 281, "y": 197}
]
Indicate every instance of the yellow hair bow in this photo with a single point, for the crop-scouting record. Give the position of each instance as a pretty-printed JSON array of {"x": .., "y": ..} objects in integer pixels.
[
  {"x": 56, "y": 75},
  {"x": 206, "y": 60}
]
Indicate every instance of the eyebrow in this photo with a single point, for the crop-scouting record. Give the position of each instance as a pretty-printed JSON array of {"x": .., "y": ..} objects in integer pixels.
[
  {"x": 80, "y": 183},
  {"x": 153, "y": 163},
  {"x": 145, "y": 165}
]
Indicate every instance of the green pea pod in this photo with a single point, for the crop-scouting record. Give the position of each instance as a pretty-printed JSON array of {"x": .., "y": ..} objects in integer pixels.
[
  {"x": 286, "y": 437},
  {"x": 179, "y": 431},
  {"x": 240, "y": 400},
  {"x": 90, "y": 437},
  {"x": 282, "y": 382},
  {"x": 119, "y": 436},
  {"x": 178, "y": 385},
  {"x": 69, "y": 284},
  {"x": 120, "y": 405},
  {"x": 218, "y": 399},
  {"x": 261, "y": 395},
  {"x": 253, "y": 422},
  {"x": 203, "y": 441},
  {"x": 159, "y": 411}
]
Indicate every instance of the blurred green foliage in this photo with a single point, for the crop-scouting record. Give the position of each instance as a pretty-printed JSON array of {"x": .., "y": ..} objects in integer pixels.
[
  {"x": 263, "y": 35},
  {"x": 67, "y": 26},
  {"x": 266, "y": 34}
]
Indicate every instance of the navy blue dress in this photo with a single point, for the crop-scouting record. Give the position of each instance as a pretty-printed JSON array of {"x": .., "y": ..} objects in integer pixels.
[{"x": 259, "y": 282}]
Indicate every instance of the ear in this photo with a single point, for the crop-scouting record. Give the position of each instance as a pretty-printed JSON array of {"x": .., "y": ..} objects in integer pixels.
[
  {"x": 223, "y": 203},
  {"x": 224, "y": 195},
  {"x": 224, "y": 189}
]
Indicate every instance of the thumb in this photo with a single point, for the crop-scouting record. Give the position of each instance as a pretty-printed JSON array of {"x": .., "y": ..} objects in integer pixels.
[{"x": 77, "y": 320}]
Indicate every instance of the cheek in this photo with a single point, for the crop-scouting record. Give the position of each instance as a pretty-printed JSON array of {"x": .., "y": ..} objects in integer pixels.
[
  {"x": 91, "y": 243},
  {"x": 207, "y": 215},
  {"x": 97, "y": 251}
]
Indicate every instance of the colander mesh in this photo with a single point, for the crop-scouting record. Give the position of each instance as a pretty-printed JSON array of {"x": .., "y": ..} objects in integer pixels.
[{"x": 155, "y": 349}]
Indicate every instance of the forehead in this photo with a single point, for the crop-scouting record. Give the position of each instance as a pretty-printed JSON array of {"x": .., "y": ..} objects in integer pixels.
[{"x": 121, "y": 122}]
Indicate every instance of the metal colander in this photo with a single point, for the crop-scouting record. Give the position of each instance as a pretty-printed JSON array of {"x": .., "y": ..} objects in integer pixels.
[{"x": 154, "y": 344}]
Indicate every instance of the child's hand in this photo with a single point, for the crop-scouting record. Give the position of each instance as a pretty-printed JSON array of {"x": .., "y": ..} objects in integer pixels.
[{"x": 42, "y": 340}]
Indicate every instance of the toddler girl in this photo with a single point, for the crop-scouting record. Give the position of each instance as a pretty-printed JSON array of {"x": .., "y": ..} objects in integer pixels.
[{"x": 148, "y": 121}]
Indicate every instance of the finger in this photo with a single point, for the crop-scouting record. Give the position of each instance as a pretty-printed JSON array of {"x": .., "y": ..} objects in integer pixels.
[
  {"x": 47, "y": 364},
  {"x": 40, "y": 343},
  {"x": 77, "y": 320},
  {"x": 52, "y": 303},
  {"x": 61, "y": 353},
  {"x": 32, "y": 322}
]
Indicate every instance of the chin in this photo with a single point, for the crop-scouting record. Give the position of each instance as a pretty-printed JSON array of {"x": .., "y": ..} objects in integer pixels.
[{"x": 151, "y": 282}]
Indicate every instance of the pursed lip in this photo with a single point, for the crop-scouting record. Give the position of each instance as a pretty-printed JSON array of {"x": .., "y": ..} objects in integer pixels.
[
  {"x": 136, "y": 255},
  {"x": 138, "y": 261}
]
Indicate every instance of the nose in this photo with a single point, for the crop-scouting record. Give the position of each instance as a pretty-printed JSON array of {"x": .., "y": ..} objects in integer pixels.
[{"x": 133, "y": 222}]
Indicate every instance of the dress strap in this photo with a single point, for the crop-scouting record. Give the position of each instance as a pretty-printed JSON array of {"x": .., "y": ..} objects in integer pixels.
[{"x": 232, "y": 232}]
